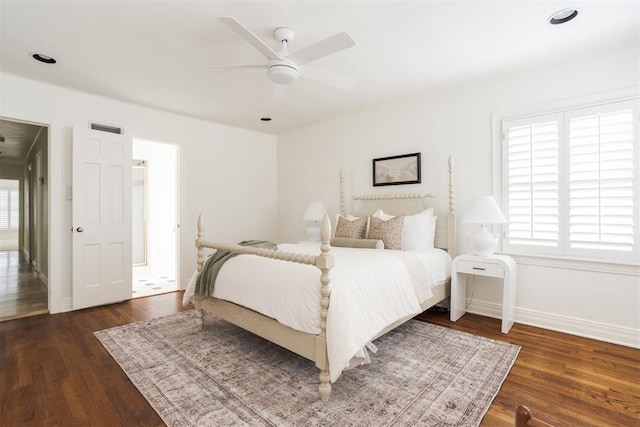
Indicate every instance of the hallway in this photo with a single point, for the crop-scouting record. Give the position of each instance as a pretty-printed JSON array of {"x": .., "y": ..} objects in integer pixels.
[{"x": 22, "y": 293}]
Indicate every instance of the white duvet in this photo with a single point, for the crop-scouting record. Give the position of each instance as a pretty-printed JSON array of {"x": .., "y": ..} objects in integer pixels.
[{"x": 370, "y": 289}]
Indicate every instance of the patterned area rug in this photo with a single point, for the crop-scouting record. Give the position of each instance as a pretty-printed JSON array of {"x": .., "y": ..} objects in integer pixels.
[{"x": 423, "y": 374}]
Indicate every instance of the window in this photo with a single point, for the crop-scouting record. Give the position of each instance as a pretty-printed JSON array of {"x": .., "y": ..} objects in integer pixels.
[
  {"x": 570, "y": 182},
  {"x": 9, "y": 205}
]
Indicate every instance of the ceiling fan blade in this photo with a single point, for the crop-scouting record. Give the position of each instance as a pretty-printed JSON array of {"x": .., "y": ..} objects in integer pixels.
[
  {"x": 326, "y": 77},
  {"x": 248, "y": 36},
  {"x": 238, "y": 66},
  {"x": 323, "y": 48},
  {"x": 279, "y": 91}
]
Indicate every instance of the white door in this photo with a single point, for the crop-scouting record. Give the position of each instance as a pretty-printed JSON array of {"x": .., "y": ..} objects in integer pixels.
[{"x": 101, "y": 218}]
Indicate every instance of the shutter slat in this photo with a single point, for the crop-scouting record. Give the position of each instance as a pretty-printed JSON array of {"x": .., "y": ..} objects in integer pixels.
[{"x": 532, "y": 202}]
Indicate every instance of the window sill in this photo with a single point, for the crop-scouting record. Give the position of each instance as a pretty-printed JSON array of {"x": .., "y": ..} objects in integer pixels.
[{"x": 628, "y": 268}]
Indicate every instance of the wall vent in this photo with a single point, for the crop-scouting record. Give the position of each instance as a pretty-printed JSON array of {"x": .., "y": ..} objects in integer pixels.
[{"x": 106, "y": 128}]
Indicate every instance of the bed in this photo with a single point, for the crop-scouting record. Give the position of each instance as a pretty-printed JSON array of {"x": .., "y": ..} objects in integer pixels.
[{"x": 325, "y": 339}]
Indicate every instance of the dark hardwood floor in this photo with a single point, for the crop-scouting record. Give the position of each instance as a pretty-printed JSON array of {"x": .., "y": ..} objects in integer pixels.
[
  {"x": 565, "y": 380},
  {"x": 53, "y": 371},
  {"x": 22, "y": 293}
]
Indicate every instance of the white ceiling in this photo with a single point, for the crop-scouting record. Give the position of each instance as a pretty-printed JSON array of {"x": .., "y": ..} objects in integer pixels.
[
  {"x": 16, "y": 139},
  {"x": 153, "y": 53}
]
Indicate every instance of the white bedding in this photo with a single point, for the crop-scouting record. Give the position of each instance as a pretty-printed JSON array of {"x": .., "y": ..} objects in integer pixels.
[{"x": 370, "y": 289}]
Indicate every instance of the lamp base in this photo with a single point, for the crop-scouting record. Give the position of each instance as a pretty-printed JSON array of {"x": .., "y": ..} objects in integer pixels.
[
  {"x": 482, "y": 243},
  {"x": 313, "y": 232}
]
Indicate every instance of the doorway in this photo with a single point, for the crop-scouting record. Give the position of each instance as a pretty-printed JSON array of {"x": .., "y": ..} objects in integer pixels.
[
  {"x": 24, "y": 213},
  {"x": 154, "y": 218}
]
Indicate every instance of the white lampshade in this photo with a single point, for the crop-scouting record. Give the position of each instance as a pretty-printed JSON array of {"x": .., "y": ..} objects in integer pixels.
[
  {"x": 315, "y": 212},
  {"x": 484, "y": 210}
]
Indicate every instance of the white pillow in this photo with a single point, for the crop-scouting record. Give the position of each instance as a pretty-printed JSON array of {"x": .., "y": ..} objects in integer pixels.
[{"x": 418, "y": 230}]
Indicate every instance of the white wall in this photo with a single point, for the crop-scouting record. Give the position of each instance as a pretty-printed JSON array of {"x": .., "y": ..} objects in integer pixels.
[
  {"x": 228, "y": 174},
  {"x": 39, "y": 200},
  {"x": 458, "y": 120}
]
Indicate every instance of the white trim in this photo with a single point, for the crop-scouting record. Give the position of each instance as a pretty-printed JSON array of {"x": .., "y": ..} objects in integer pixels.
[
  {"x": 583, "y": 264},
  {"x": 66, "y": 304},
  {"x": 631, "y": 93},
  {"x": 570, "y": 325},
  {"x": 179, "y": 284},
  {"x": 44, "y": 279},
  {"x": 57, "y": 229},
  {"x": 55, "y": 163}
]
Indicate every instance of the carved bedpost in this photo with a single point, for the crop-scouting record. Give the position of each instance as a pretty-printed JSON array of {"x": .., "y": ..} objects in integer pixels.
[
  {"x": 452, "y": 222},
  {"x": 325, "y": 263},
  {"x": 198, "y": 245},
  {"x": 342, "y": 207},
  {"x": 200, "y": 264}
]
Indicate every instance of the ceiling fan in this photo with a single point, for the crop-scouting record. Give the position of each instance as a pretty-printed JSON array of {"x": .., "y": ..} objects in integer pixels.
[{"x": 284, "y": 68}]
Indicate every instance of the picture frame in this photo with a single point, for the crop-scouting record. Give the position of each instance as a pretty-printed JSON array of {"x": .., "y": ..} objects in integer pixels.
[{"x": 397, "y": 170}]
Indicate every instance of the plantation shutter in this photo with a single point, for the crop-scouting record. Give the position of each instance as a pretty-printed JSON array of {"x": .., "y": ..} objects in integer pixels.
[
  {"x": 4, "y": 209},
  {"x": 9, "y": 204},
  {"x": 532, "y": 184},
  {"x": 602, "y": 209},
  {"x": 14, "y": 212}
]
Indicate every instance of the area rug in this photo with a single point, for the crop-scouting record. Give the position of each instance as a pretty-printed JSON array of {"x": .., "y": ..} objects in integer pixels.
[{"x": 422, "y": 374}]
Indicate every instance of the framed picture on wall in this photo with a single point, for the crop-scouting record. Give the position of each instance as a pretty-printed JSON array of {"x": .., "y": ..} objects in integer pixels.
[{"x": 396, "y": 170}]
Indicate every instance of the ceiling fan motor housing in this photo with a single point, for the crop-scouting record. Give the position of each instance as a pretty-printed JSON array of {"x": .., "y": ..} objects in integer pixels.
[{"x": 282, "y": 72}]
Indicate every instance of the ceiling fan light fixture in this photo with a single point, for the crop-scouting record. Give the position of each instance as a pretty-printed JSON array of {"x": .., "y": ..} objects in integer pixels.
[
  {"x": 282, "y": 74},
  {"x": 562, "y": 16}
]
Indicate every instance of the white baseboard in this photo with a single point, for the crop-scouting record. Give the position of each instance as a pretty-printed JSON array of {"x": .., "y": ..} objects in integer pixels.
[
  {"x": 570, "y": 325},
  {"x": 67, "y": 305},
  {"x": 44, "y": 279}
]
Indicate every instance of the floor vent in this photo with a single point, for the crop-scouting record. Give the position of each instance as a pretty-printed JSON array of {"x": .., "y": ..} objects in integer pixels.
[{"x": 107, "y": 128}]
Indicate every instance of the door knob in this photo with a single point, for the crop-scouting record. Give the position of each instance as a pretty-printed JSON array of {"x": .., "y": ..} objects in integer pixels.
[{"x": 79, "y": 229}]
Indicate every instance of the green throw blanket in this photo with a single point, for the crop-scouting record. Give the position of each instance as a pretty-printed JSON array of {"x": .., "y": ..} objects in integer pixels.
[{"x": 211, "y": 268}]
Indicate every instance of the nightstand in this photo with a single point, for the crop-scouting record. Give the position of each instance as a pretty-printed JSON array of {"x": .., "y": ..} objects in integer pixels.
[{"x": 499, "y": 266}]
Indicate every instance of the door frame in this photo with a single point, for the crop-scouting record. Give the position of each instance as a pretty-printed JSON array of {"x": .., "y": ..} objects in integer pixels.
[
  {"x": 54, "y": 208},
  {"x": 37, "y": 212}
]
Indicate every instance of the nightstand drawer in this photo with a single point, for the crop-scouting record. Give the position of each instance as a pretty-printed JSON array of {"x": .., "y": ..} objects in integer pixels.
[{"x": 480, "y": 268}]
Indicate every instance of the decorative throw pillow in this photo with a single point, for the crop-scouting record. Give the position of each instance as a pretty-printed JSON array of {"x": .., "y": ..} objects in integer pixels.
[
  {"x": 389, "y": 231},
  {"x": 343, "y": 242},
  {"x": 351, "y": 229}
]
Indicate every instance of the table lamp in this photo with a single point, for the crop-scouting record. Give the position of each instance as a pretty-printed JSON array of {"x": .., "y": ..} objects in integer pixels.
[
  {"x": 315, "y": 212},
  {"x": 483, "y": 210}
]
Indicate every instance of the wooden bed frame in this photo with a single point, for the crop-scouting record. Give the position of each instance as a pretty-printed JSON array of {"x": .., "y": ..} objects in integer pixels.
[{"x": 310, "y": 346}]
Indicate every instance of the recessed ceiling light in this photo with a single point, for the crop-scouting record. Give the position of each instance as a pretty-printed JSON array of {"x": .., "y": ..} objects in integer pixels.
[
  {"x": 562, "y": 16},
  {"x": 266, "y": 119},
  {"x": 43, "y": 58}
]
